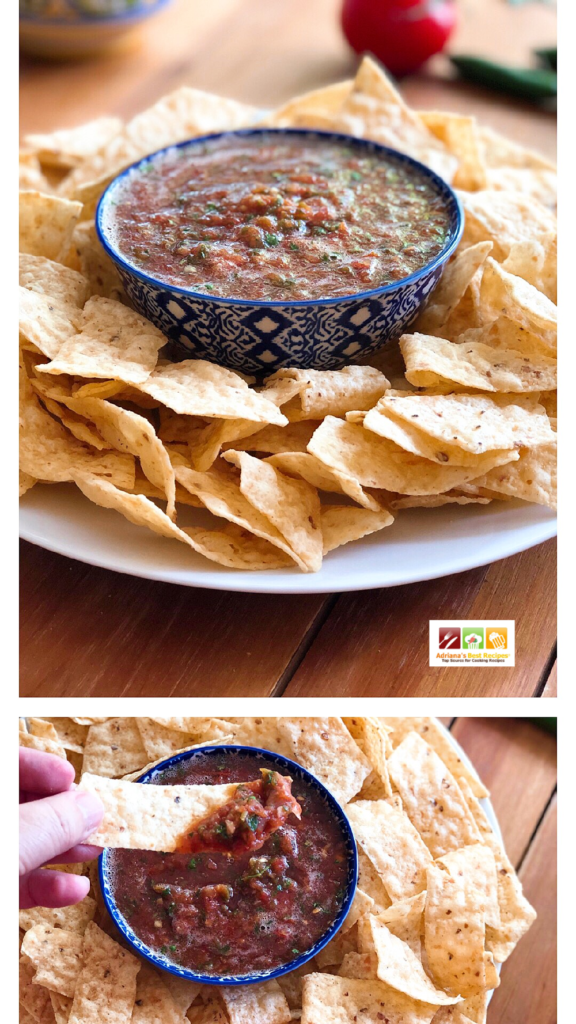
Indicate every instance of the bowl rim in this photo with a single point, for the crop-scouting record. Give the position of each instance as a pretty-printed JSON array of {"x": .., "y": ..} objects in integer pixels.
[
  {"x": 157, "y": 959},
  {"x": 453, "y": 202},
  {"x": 91, "y": 20}
]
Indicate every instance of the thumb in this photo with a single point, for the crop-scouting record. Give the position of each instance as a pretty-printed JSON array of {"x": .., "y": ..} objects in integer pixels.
[{"x": 53, "y": 825}]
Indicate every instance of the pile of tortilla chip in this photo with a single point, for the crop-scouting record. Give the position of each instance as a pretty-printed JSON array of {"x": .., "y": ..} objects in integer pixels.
[
  {"x": 461, "y": 411},
  {"x": 438, "y": 904}
]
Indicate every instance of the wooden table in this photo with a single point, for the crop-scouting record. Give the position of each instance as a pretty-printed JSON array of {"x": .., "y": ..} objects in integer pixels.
[
  {"x": 517, "y": 762},
  {"x": 88, "y": 632}
]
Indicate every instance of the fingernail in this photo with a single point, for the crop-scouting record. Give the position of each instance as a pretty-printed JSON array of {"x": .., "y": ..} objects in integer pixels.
[{"x": 91, "y": 807}]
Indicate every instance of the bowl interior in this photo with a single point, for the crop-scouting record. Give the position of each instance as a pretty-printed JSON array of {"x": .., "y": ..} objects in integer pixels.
[
  {"x": 297, "y": 772},
  {"x": 453, "y": 207}
]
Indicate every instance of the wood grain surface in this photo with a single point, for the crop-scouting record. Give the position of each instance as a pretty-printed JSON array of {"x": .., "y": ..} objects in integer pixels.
[{"x": 86, "y": 631}]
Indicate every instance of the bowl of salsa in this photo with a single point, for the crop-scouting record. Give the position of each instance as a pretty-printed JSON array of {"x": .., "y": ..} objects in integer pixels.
[
  {"x": 264, "y": 248},
  {"x": 260, "y": 887}
]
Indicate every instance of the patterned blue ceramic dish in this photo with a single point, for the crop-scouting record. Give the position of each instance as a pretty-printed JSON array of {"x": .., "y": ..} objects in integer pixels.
[
  {"x": 297, "y": 772},
  {"x": 263, "y": 336}
]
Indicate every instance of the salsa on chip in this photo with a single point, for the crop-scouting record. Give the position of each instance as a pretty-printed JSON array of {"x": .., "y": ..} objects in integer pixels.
[{"x": 252, "y": 887}]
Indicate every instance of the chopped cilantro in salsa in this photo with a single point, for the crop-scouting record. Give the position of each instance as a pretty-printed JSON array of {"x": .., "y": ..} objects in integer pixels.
[
  {"x": 246, "y": 898},
  {"x": 278, "y": 217}
]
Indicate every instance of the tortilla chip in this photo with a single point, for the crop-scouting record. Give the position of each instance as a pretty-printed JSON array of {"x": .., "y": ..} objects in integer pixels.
[
  {"x": 454, "y": 931},
  {"x": 129, "y": 432},
  {"x": 349, "y": 1000},
  {"x": 47, "y": 322},
  {"x": 389, "y": 839},
  {"x": 25, "y": 483},
  {"x": 378, "y": 462},
  {"x": 372, "y": 736},
  {"x": 499, "y": 151},
  {"x": 276, "y": 440},
  {"x": 311, "y": 109},
  {"x": 113, "y": 342},
  {"x": 159, "y": 740},
  {"x": 249, "y": 1003},
  {"x": 405, "y": 920},
  {"x": 49, "y": 452},
  {"x": 522, "y": 231},
  {"x": 431, "y": 796},
  {"x": 106, "y": 986},
  {"x": 401, "y": 969},
  {"x": 407, "y": 434},
  {"x": 291, "y": 984},
  {"x": 61, "y": 1006},
  {"x": 431, "y": 361},
  {"x": 334, "y": 952},
  {"x": 46, "y": 224},
  {"x": 291, "y": 506},
  {"x": 94, "y": 263},
  {"x": 220, "y": 492},
  {"x": 516, "y": 914},
  {"x": 476, "y": 423},
  {"x": 201, "y": 728},
  {"x": 361, "y": 904},
  {"x": 478, "y": 864},
  {"x": 113, "y": 748},
  {"x": 68, "y": 147},
  {"x": 309, "y": 468},
  {"x": 506, "y": 294},
  {"x": 73, "y": 919},
  {"x": 375, "y": 110},
  {"x": 369, "y": 881},
  {"x": 46, "y": 277},
  {"x": 453, "y": 284},
  {"x": 532, "y": 478},
  {"x": 56, "y": 953},
  {"x": 342, "y": 524},
  {"x": 154, "y": 1002},
  {"x": 333, "y": 392},
  {"x": 195, "y": 387},
  {"x": 37, "y": 739},
  {"x": 34, "y": 999},
  {"x": 324, "y": 746},
  {"x": 460, "y": 135},
  {"x": 435, "y": 736},
  {"x": 142, "y": 817},
  {"x": 537, "y": 183},
  {"x": 183, "y": 992}
]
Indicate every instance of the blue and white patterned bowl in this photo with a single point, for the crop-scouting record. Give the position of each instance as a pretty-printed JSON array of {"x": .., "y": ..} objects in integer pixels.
[
  {"x": 262, "y": 336},
  {"x": 297, "y": 772}
]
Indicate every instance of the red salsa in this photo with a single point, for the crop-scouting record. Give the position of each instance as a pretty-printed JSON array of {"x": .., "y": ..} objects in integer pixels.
[
  {"x": 242, "y": 897},
  {"x": 277, "y": 217}
]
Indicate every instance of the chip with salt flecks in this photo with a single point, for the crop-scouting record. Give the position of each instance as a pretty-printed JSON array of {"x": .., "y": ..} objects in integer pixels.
[
  {"x": 431, "y": 361},
  {"x": 342, "y": 524},
  {"x": 291, "y": 506},
  {"x": 380, "y": 463},
  {"x": 401, "y": 969},
  {"x": 46, "y": 224},
  {"x": 478, "y": 863},
  {"x": 431, "y": 796},
  {"x": 437, "y": 738},
  {"x": 454, "y": 932},
  {"x": 113, "y": 748},
  {"x": 332, "y": 392},
  {"x": 50, "y": 278},
  {"x": 47, "y": 322},
  {"x": 196, "y": 387},
  {"x": 141, "y": 817},
  {"x": 73, "y": 918},
  {"x": 477, "y": 423},
  {"x": 533, "y": 477},
  {"x": 113, "y": 341},
  {"x": 453, "y": 284},
  {"x": 248, "y": 1004},
  {"x": 56, "y": 954},
  {"x": 130, "y": 432},
  {"x": 106, "y": 986},
  {"x": 325, "y": 747},
  {"x": 405, "y": 920},
  {"x": 348, "y": 1000},
  {"x": 392, "y": 844},
  {"x": 155, "y": 1003},
  {"x": 309, "y": 468}
]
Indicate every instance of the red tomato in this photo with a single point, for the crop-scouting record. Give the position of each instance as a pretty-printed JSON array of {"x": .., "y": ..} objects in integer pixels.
[{"x": 400, "y": 33}]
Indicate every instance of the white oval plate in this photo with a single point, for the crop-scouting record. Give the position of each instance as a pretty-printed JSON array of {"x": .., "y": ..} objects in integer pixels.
[{"x": 422, "y": 544}]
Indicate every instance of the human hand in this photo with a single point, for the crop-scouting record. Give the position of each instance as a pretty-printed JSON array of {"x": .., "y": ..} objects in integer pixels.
[{"x": 55, "y": 817}]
